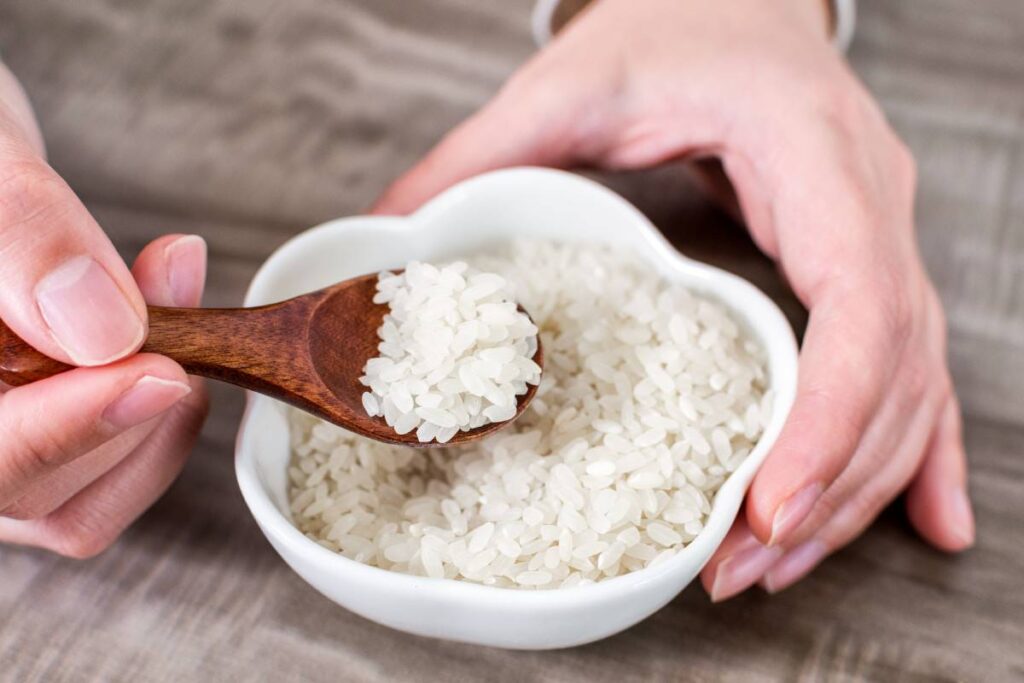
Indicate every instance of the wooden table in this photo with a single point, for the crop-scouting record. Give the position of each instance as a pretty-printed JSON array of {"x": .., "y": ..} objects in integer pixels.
[{"x": 249, "y": 120}]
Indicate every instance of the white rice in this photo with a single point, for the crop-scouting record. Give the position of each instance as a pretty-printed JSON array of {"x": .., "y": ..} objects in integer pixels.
[
  {"x": 455, "y": 351},
  {"x": 651, "y": 395}
]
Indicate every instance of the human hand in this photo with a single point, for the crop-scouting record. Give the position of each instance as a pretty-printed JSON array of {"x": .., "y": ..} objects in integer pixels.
[
  {"x": 85, "y": 452},
  {"x": 826, "y": 189}
]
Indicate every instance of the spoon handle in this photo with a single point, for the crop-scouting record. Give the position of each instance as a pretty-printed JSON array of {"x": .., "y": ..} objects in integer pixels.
[
  {"x": 22, "y": 364},
  {"x": 249, "y": 347}
]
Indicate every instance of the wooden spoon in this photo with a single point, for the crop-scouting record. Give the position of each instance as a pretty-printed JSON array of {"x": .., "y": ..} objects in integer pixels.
[{"x": 308, "y": 351}]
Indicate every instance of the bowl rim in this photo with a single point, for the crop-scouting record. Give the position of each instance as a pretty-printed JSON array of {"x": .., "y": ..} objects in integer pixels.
[{"x": 776, "y": 335}]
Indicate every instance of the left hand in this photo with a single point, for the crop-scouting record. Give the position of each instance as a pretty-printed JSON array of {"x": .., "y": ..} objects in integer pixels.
[
  {"x": 85, "y": 452},
  {"x": 826, "y": 189},
  {"x": 80, "y": 502}
]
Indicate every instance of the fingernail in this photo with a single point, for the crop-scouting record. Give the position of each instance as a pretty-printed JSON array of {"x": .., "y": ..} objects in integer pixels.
[
  {"x": 793, "y": 511},
  {"x": 961, "y": 517},
  {"x": 740, "y": 571},
  {"x": 147, "y": 398},
  {"x": 87, "y": 313},
  {"x": 794, "y": 566},
  {"x": 186, "y": 269}
]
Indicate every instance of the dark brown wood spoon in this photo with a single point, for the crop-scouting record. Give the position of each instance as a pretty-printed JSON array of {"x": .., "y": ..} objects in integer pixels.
[{"x": 308, "y": 351}]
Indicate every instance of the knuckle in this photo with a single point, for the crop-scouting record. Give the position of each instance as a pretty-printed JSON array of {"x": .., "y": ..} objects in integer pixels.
[
  {"x": 938, "y": 313},
  {"x": 945, "y": 391},
  {"x": 39, "y": 453},
  {"x": 917, "y": 377},
  {"x": 189, "y": 414},
  {"x": 847, "y": 425},
  {"x": 824, "y": 508},
  {"x": 83, "y": 548},
  {"x": 899, "y": 318},
  {"x": 30, "y": 450},
  {"x": 854, "y": 516},
  {"x": 17, "y": 511},
  {"x": 905, "y": 164},
  {"x": 30, "y": 193},
  {"x": 896, "y": 310},
  {"x": 75, "y": 538},
  {"x": 833, "y": 100},
  {"x": 939, "y": 391},
  {"x": 818, "y": 435},
  {"x": 38, "y": 502},
  {"x": 196, "y": 405}
]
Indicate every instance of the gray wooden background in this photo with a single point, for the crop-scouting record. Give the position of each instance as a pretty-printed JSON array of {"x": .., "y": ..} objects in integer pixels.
[{"x": 248, "y": 120}]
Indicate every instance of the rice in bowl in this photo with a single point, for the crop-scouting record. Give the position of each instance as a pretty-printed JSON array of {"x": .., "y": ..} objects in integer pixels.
[{"x": 651, "y": 396}]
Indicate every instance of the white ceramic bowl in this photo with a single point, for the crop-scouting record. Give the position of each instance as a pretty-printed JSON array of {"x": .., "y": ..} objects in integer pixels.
[{"x": 479, "y": 213}]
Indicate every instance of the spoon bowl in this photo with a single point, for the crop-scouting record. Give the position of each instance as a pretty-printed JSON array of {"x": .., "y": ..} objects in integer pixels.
[
  {"x": 338, "y": 351},
  {"x": 308, "y": 351}
]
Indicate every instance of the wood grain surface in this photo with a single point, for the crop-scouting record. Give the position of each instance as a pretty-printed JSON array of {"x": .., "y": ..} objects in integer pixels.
[{"x": 247, "y": 121}]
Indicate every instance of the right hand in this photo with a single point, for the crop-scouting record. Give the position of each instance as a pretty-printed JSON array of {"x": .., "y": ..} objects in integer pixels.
[
  {"x": 826, "y": 189},
  {"x": 86, "y": 452}
]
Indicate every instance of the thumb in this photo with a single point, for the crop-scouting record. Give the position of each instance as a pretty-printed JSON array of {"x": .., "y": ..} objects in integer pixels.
[
  {"x": 527, "y": 123},
  {"x": 63, "y": 287},
  {"x": 171, "y": 271}
]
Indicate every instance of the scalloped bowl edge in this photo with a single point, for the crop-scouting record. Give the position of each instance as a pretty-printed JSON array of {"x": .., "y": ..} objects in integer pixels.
[{"x": 473, "y": 215}]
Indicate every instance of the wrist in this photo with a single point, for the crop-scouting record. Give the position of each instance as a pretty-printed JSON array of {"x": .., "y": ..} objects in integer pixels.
[
  {"x": 831, "y": 19},
  {"x": 843, "y": 18},
  {"x": 825, "y": 11},
  {"x": 815, "y": 15}
]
